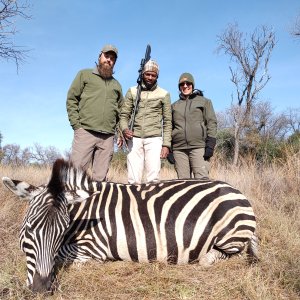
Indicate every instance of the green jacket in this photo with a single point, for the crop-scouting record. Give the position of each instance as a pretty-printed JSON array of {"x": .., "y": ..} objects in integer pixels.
[
  {"x": 194, "y": 120},
  {"x": 93, "y": 103},
  {"x": 153, "y": 117}
]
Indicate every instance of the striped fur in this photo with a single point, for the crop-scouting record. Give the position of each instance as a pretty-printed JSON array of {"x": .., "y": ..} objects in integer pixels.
[{"x": 178, "y": 221}]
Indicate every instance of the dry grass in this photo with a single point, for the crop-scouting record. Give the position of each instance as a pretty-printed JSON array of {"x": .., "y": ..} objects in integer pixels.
[{"x": 274, "y": 193}]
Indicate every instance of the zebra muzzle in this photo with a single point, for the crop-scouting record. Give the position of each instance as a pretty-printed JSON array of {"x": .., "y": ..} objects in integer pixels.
[{"x": 42, "y": 284}]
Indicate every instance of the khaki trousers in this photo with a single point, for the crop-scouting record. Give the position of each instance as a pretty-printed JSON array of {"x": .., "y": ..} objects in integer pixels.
[
  {"x": 92, "y": 149},
  {"x": 144, "y": 153},
  {"x": 190, "y": 163}
]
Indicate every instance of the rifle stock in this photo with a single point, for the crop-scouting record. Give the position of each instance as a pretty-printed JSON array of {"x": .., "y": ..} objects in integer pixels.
[{"x": 139, "y": 86}]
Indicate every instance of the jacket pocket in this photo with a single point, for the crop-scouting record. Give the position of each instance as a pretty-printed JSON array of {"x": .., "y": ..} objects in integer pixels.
[{"x": 204, "y": 131}]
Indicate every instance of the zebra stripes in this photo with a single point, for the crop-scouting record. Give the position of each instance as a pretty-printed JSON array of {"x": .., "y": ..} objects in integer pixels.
[
  {"x": 178, "y": 221},
  {"x": 174, "y": 221}
]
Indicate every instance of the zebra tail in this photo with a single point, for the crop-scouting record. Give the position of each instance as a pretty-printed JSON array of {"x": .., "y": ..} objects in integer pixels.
[{"x": 252, "y": 250}]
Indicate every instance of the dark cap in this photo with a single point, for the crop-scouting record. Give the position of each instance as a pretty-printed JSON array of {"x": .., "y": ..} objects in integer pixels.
[
  {"x": 110, "y": 48},
  {"x": 186, "y": 77}
]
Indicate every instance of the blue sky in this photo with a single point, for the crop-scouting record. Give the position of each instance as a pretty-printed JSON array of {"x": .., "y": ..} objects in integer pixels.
[{"x": 66, "y": 36}]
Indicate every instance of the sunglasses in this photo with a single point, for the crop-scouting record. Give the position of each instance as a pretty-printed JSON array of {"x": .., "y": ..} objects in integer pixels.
[{"x": 185, "y": 83}]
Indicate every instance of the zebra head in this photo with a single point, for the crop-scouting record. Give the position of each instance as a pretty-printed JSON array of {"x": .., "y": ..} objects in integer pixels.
[{"x": 45, "y": 222}]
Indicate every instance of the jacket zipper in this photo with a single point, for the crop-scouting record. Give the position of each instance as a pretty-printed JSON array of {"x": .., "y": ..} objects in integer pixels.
[{"x": 186, "y": 142}]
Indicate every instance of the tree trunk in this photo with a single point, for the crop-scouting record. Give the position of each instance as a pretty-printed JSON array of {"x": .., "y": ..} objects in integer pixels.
[{"x": 236, "y": 145}]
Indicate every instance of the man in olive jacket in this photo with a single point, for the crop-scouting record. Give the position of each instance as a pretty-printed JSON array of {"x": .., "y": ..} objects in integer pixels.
[
  {"x": 93, "y": 103},
  {"x": 194, "y": 130},
  {"x": 150, "y": 139}
]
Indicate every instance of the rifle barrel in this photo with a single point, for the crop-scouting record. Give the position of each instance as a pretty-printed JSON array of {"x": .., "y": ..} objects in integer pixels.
[{"x": 139, "y": 87}]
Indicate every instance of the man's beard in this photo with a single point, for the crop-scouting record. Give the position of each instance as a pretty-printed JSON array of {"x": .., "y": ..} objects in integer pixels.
[
  {"x": 105, "y": 70},
  {"x": 149, "y": 86}
]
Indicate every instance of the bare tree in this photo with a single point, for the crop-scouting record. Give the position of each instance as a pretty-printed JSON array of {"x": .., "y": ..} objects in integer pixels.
[
  {"x": 267, "y": 124},
  {"x": 293, "y": 118},
  {"x": 11, "y": 154},
  {"x": 296, "y": 27},
  {"x": 223, "y": 120},
  {"x": 45, "y": 155},
  {"x": 67, "y": 154},
  {"x": 250, "y": 74},
  {"x": 25, "y": 156},
  {"x": 9, "y": 11}
]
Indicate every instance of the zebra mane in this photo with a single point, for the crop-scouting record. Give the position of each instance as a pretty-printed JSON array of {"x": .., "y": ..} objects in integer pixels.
[
  {"x": 66, "y": 177},
  {"x": 58, "y": 177}
]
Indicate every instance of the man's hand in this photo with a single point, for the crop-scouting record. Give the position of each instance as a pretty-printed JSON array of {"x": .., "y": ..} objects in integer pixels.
[
  {"x": 170, "y": 158},
  {"x": 119, "y": 142},
  {"x": 128, "y": 134},
  {"x": 210, "y": 144},
  {"x": 164, "y": 152},
  {"x": 208, "y": 153}
]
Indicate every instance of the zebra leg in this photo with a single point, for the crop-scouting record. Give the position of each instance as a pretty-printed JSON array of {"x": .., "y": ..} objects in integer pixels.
[{"x": 212, "y": 256}]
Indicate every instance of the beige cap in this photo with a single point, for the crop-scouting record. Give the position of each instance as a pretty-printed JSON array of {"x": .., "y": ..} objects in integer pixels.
[
  {"x": 110, "y": 48},
  {"x": 151, "y": 65}
]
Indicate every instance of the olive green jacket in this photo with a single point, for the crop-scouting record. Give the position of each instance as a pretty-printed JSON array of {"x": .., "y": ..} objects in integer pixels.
[
  {"x": 153, "y": 118},
  {"x": 93, "y": 103},
  {"x": 194, "y": 120}
]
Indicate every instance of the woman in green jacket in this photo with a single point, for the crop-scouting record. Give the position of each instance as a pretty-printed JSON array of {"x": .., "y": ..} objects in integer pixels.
[{"x": 194, "y": 129}]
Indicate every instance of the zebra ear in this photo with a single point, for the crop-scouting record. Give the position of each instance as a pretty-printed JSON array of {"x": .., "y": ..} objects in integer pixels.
[
  {"x": 22, "y": 189},
  {"x": 77, "y": 196}
]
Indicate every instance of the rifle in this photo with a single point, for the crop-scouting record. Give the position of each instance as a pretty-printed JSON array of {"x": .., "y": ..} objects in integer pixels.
[{"x": 139, "y": 86}]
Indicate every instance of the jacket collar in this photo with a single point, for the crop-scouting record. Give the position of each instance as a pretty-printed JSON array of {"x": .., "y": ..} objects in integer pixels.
[
  {"x": 144, "y": 88},
  {"x": 194, "y": 94},
  {"x": 96, "y": 72}
]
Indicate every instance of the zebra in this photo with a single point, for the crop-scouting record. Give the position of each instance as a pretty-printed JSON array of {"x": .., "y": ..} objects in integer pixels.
[{"x": 73, "y": 218}]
